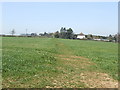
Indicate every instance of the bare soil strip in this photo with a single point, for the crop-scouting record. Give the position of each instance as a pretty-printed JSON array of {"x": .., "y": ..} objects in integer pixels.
[
  {"x": 98, "y": 80},
  {"x": 90, "y": 79}
]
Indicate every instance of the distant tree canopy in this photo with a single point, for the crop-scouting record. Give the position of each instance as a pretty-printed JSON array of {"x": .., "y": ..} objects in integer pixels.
[
  {"x": 57, "y": 34},
  {"x": 45, "y": 34},
  {"x": 33, "y": 34},
  {"x": 69, "y": 33},
  {"x": 89, "y": 36},
  {"x": 118, "y": 37},
  {"x": 64, "y": 33},
  {"x": 110, "y": 38}
]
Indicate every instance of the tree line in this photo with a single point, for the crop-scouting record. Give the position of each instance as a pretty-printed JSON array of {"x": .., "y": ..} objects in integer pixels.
[
  {"x": 64, "y": 33},
  {"x": 69, "y": 34}
]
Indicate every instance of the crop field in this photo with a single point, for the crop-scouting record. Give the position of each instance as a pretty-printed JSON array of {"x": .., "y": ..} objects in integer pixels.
[{"x": 58, "y": 63}]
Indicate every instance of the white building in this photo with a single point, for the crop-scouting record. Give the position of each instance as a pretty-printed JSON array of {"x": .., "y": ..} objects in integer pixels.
[{"x": 81, "y": 36}]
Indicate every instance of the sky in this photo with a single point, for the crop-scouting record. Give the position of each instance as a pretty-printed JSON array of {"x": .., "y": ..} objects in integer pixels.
[{"x": 98, "y": 18}]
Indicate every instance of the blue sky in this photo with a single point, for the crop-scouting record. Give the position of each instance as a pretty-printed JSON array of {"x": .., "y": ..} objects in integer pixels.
[{"x": 99, "y": 18}]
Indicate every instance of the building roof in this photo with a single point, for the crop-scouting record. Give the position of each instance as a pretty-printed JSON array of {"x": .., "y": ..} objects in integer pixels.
[{"x": 81, "y": 34}]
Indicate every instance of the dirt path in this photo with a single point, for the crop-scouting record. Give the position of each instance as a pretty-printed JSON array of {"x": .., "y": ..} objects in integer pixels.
[{"x": 77, "y": 72}]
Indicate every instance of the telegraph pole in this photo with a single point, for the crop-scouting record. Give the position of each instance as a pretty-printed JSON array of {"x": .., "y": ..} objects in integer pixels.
[{"x": 26, "y": 32}]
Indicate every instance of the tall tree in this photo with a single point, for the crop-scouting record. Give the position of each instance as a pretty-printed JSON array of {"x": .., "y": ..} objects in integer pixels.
[
  {"x": 13, "y": 32},
  {"x": 69, "y": 33},
  {"x": 57, "y": 34},
  {"x": 116, "y": 37},
  {"x": 45, "y": 33},
  {"x": 110, "y": 38},
  {"x": 63, "y": 32}
]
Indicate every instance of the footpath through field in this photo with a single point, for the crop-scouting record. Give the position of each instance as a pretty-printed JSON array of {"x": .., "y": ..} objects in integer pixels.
[{"x": 78, "y": 71}]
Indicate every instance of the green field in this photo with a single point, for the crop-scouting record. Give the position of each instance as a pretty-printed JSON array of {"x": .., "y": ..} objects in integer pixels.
[{"x": 58, "y": 63}]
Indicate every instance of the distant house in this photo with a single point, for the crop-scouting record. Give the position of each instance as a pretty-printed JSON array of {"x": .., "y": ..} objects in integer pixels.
[
  {"x": 81, "y": 36},
  {"x": 97, "y": 39}
]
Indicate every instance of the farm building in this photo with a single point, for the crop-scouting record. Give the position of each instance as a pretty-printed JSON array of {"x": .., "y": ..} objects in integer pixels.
[{"x": 81, "y": 36}]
